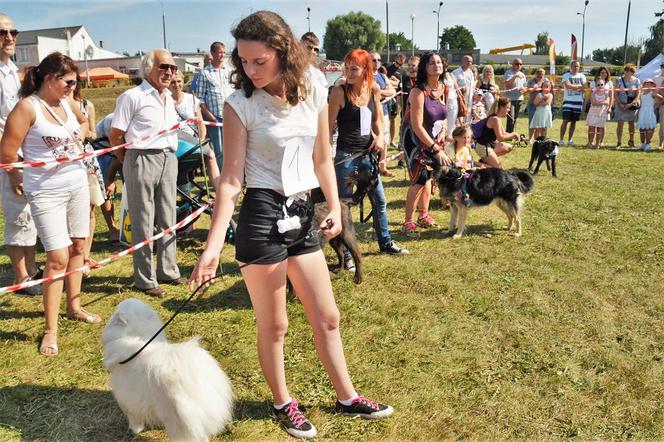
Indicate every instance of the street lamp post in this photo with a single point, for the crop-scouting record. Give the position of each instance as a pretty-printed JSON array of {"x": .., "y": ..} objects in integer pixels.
[
  {"x": 309, "y": 18},
  {"x": 583, "y": 28},
  {"x": 438, "y": 26},
  {"x": 412, "y": 32},
  {"x": 85, "y": 57}
]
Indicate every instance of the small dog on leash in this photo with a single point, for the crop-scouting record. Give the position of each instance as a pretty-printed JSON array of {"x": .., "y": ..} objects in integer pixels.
[
  {"x": 481, "y": 187},
  {"x": 176, "y": 386},
  {"x": 347, "y": 238},
  {"x": 544, "y": 150}
]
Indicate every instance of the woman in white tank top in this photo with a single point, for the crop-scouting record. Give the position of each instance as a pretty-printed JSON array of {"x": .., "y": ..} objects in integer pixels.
[{"x": 47, "y": 127}]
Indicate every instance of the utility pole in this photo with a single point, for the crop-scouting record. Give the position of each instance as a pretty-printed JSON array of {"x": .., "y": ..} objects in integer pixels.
[
  {"x": 629, "y": 6},
  {"x": 387, "y": 24},
  {"x": 163, "y": 23}
]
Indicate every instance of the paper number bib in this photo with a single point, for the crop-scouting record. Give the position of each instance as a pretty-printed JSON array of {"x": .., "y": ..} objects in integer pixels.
[{"x": 297, "y": 166}]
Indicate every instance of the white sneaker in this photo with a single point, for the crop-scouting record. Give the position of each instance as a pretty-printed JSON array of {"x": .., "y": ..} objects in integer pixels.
[
  {"x": 560, "y": 142},
  {"x": 642, "y": 146},
  {"x": 647, "y": 147},
  {"x": 571, "y": 143}
]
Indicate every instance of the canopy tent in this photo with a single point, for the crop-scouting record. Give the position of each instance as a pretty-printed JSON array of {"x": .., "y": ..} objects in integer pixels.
[
  {"x": 651, "y": 70},
  {"x": 103, "y": 74}
]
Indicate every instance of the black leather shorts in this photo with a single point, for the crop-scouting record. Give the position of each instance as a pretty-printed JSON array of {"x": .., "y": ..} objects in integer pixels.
[{"x": 257, "y": 235}]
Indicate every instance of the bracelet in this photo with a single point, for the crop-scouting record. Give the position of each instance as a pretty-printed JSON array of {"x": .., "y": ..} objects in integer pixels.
[{"x": 432, "y": 144}]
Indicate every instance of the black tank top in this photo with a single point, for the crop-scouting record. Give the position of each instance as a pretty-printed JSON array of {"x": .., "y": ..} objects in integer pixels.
[
  {"x": 348, "y": 121},
  {"x": 488, "y": 135}
]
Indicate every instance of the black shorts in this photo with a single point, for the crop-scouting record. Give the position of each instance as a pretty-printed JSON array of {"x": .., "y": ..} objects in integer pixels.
[
  {"x": 257, "y": 235},
  {"x": 571, "y": 114}
]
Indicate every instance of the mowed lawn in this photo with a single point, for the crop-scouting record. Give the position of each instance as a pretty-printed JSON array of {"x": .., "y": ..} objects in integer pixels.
[{"x": 556, "y": 334}]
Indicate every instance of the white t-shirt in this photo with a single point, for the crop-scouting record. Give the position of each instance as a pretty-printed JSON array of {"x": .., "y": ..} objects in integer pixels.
[
  {"x": 271, "y": 124},
  {"x": 9, "y": 87},
  {"x": 46, "y": 141},
  {"x": 186, "y": 109},
  {"x": 513, "y": 93},
  {"x": 466, "y": 79},
  {"x": 316, "y": 76},
  {"x": 573, "y": 97},
  {"x": 140, "y": 111},
  {"x": 608, "y": 86}
]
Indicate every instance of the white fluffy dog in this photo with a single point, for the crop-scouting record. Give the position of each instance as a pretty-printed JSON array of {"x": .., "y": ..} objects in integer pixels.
[{"x": 177, "y": 386}]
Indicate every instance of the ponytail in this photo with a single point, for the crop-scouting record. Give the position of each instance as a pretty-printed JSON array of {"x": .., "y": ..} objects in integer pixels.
[
  {"x": 500, "y": 102},
  {"x": 31, "y": 81}
]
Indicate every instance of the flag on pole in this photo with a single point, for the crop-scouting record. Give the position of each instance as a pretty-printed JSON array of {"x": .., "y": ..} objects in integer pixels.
[
  {"x": 552, "y": 60},
  {"x": 574, "y": 54}
]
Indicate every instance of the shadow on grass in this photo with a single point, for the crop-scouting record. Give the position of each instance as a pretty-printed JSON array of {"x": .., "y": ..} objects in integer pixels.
[
  {"x": 39, "y": 412},
  {"x": 254, "y": 410},
  {"x": 218, "y": 296}
]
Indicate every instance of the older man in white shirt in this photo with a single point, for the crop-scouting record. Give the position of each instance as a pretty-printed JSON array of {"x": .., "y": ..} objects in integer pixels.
[
  {"x": 466, "y": 80},
  {"x": 150, "y": 168},
  {"x": 20, "y": 234}
]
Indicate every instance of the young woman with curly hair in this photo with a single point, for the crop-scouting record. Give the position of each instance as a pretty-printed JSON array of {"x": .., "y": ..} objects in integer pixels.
[{"x": 274, "y": 110}]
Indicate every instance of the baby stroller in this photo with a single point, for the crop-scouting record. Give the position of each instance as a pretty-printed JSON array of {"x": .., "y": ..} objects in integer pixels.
[{"x": 192, "y": 195}]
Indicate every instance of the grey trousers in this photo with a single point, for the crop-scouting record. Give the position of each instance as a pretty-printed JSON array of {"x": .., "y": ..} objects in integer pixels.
[{"x": 150, "y": 180}]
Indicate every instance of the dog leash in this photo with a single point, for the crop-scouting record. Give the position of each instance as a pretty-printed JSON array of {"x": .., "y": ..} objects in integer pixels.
[{"x": 204, "y": 283}]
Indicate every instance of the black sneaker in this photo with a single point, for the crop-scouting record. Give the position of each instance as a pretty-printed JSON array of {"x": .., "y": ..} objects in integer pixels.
[
  {"x": 295, "y": 423},
  {"x": 35, "y": 290},
  {"x": 364, "y": 408},
  {"x": 394, "y": 249}
]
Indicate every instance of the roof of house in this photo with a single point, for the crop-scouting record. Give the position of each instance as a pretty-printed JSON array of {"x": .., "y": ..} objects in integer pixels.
[{"x": 30, "y": 37}]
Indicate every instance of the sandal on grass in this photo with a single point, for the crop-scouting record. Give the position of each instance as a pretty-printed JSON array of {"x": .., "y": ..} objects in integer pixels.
[
  {"x": 49, "y": 349},
  {"x": 84, "y": 316}
]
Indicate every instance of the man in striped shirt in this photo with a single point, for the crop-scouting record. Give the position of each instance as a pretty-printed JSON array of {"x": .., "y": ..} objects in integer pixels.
[{"x": 212, "y": 89}]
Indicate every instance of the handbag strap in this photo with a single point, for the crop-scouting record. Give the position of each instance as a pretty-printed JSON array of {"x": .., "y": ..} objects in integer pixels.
[{"x": 59, "y": 120}]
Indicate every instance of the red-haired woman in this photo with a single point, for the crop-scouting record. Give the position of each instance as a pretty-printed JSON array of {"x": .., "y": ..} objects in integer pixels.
[
  {"x": 355, "y": 109},
  {"x": 275, "y": 114}
]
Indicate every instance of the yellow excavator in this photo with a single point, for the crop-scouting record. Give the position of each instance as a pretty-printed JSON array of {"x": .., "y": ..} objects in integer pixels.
[{"x": 528, "y": 46}]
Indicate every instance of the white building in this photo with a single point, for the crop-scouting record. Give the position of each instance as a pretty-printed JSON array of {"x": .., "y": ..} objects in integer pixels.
[{"x": 33, "y": 46}]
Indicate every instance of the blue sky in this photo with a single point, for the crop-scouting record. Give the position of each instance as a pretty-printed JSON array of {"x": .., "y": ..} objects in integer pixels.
[{"x": 130, "y": 25}]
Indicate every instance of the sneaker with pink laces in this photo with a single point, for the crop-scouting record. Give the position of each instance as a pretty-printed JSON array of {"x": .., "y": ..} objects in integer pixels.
[
  {"x": 409, "y": 228},
  {"x": 294, "y": 421},
  {"x": 365, "y": 408},
  {"x": 426, "y": 221}
]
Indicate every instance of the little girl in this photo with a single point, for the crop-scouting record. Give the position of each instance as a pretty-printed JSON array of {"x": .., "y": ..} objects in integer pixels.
[
  {"x": 478, "y": 109},
  {"x": 647, "y": 122},
  {"x": 542, "y": 118},
  {"x": 598, "y": 113},
  {"x": 459, "y": 149}
]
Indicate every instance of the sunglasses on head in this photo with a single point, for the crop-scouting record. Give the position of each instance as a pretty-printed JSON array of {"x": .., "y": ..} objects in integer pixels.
[
  {"x": 166, "y": 67},
  {"x": 315, "y": 49},
  {"x": 4, "y": 33}
]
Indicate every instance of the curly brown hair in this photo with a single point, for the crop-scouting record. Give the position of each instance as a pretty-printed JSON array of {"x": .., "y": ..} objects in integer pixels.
[{"x": 270, "y": 29}]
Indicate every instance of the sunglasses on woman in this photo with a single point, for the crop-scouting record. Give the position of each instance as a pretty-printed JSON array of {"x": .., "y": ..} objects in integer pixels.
[
  {"x": 70, "y": 83},
  {"x": 4, "y": 33}
]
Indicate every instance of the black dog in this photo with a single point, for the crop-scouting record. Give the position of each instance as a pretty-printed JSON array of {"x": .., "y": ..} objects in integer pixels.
[
  {"x": 480, "y": 187},
  {"x": 544, "y": 149},
  {"x": 347, "y": 238}
]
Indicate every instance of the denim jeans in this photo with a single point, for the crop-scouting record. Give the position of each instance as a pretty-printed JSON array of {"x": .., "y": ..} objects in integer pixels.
[
  {"x": 215, "y": 135},
  {"x": 377, "y": 195}
]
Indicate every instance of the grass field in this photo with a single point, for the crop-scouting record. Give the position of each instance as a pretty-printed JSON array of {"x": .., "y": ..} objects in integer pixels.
[{"x": 554, "y": 335}]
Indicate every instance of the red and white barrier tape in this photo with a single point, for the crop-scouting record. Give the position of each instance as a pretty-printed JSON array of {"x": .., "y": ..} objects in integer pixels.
[
  {"x": 97, "y": 153},
  {"x": 129, "y": 251},
  {"x": 561, "y": 88}
]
